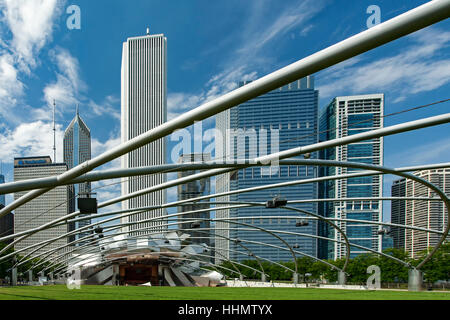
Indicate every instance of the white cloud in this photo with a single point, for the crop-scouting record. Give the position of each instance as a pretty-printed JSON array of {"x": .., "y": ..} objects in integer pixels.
[
  {"x": 107, "y": 189},
  {"x": 421, "y": 154},
  {"x": 31, "y": 139},
  {"x": 178, "y": 102},
  {"x": 11, "y": 87},
  {"x": 258, "y": 32},
  {"x": 110, "y": 106},
  {"x": 68, "y": 85},
  {"x": 263, "y": 31},
  {"x": 31, "y": 24},
  {"x": 419, "y": 67},
  {"x": 26, "y": 26},
  {"x": 99, "y": 147}
]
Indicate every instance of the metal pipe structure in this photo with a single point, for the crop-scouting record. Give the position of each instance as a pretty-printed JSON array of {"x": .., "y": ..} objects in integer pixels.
[
  {"x": 185, "y": 213},
  {"x": 358, "y": 165},
  {"x": 31, "y": 184},
  {"x": 289, "y": 217},
  {"x": 169, "y": 231},
  {"x": 404, "y": 24},
  {"x": 289, "y": 233},
  {"x": 265, "y": 217},
  {"x": 322, "y": 161},
  {"x": 183, "y": 180},
  {"x": 50, "y": 252},
  {"x": 292, "y": 152}
]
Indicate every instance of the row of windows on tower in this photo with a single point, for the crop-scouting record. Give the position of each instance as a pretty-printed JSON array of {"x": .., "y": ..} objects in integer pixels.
[
  {"x": 278, "y": 172},
  {"x": 280, "y": 126}
]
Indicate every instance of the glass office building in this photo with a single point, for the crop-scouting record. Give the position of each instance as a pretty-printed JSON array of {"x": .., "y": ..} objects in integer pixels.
[
  {"x": 346, "y": 116},
  {"x": 194, "y": 189},
  {"x": 279, "y": 120},
  {"x": 77, "y": 149},
  {"x": 2, "y": 196}
]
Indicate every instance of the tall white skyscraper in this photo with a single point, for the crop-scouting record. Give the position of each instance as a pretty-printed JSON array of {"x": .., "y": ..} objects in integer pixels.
[{"x": 144, "y": 107}]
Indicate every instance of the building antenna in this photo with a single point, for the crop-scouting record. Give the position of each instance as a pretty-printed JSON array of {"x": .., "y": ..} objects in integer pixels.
[{"x": 54, "y": 132}]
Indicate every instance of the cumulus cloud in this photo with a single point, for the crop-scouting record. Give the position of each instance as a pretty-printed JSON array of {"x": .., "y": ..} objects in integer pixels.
[
  {"x": 31, "y": 139},
  {"x": 68, "y": 85},
  {"x": 26, "y": 26},
  {"x": 110, "y": 106},
  {"x": 99, "y": 147},
  {"x": 31, "y": 24},
  {"x": 11, "y": 87},
  {"x": 250, "y": 54},
  {"x": 419, "y": 67}
]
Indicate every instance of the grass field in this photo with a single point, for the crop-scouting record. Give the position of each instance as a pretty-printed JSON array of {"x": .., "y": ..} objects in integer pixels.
[{"x": 60, "y": 292}]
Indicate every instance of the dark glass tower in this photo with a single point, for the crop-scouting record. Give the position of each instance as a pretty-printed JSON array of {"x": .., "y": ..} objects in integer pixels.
[
  {"x": 2, "y": 196},
  {"x": 279, "y": 120},
  {"x": 77, "y": 149},
  {"x": 343, "y": 117},
  {"x": 194, "y": 189}
]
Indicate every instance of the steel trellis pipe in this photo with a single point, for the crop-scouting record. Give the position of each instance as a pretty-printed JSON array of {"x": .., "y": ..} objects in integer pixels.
[
  {"x": 347, "y": 164},
  {"x": 296, "y": 151}
]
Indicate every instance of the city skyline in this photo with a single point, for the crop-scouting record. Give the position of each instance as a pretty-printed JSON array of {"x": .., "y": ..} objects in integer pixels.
[
  {"x": 93, "y": 81},
  {"x": 308, "y": 140}
]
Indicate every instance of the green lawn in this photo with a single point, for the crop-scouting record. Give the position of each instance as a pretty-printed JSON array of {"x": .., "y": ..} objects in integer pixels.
[{"x": 60, "y": 292}]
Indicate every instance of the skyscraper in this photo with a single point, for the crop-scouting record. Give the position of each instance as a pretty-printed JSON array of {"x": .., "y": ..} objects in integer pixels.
[
  {"x": 6, "y": 222},
  {"x": 77, "y": 149},
  {"x": 45, "y": 208},
  {"x": 426, "y": 214},
  {"x": 343, "y": 117},
  {"x": 194, "y": 189},
  {"x": 398, "y": 212},
  {"x": 6, "y": 225},
  {"x": 279, "y": 120},
  {"x": 144, "y": 107},
  {"x": 2, "y": 196}
]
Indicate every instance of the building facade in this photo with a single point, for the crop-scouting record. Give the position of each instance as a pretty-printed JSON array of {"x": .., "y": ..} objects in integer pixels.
[
  {"x": 6, "y": 225},
  {"x": 279, "y": 120},
  {"x": 77, "y": 149},
  {"x": 2, "y": 196},
  {"x": 45, "y": 208},
  {"x": 144, "y": 107},
  {"x": 343, "y": 117},
  {"x": 425, "y": 214},
  {"x": 398, "y": 209},
  {"x": 194, "y": 189}
]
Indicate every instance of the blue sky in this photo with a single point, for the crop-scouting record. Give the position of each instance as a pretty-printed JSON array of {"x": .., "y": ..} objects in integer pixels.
[{"x": 211, "y": 46}]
